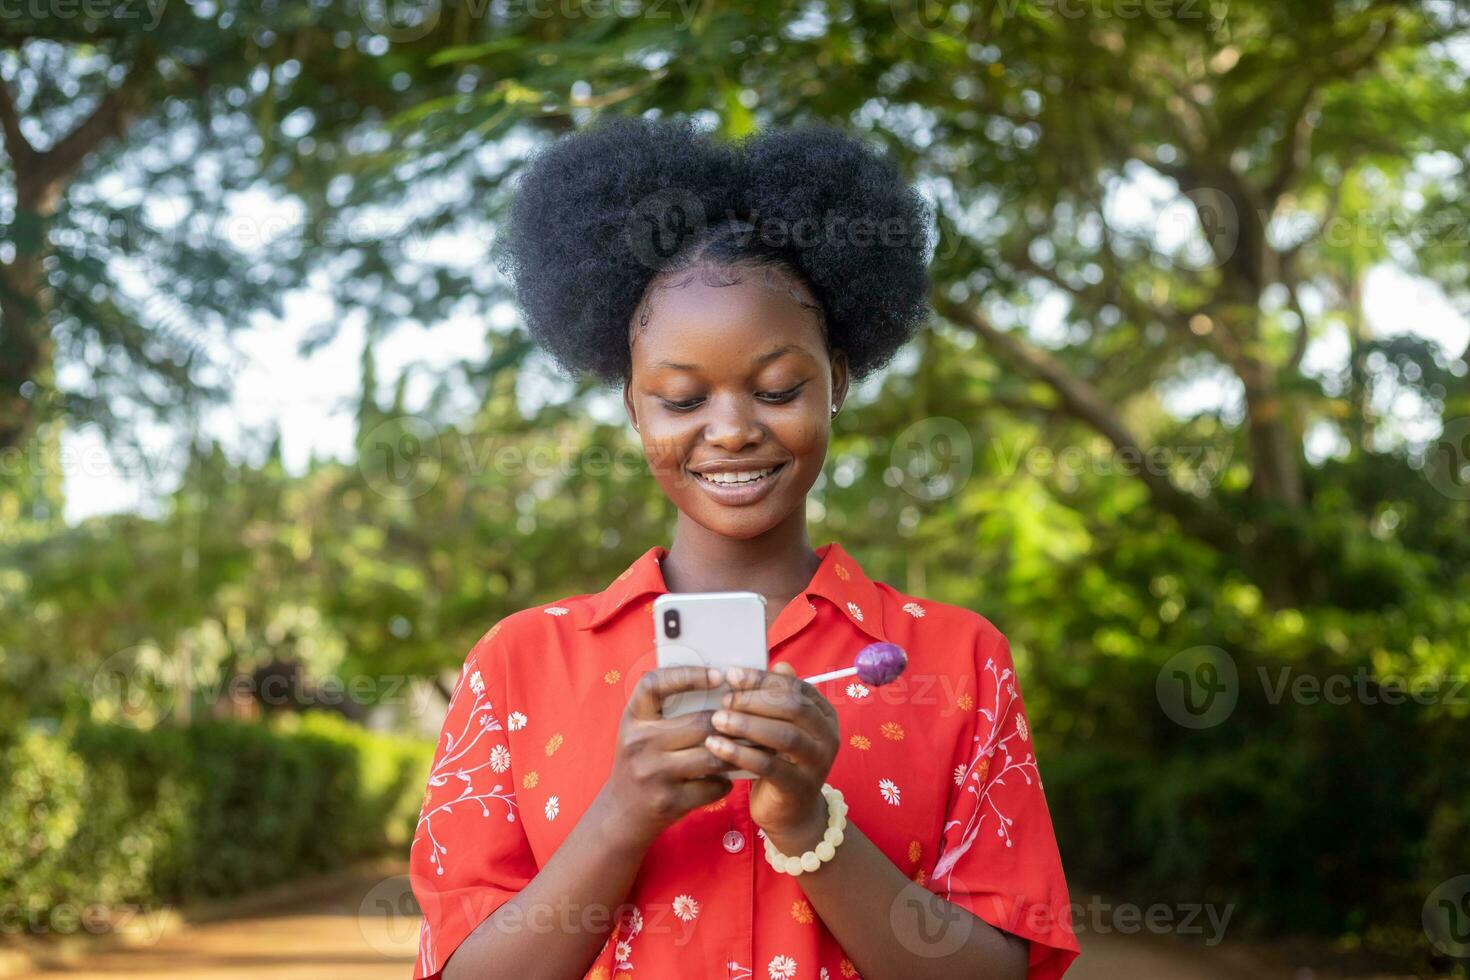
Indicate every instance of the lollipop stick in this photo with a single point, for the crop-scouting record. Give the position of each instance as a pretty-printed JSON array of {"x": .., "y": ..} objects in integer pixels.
[{"x": 830, "y": 675}]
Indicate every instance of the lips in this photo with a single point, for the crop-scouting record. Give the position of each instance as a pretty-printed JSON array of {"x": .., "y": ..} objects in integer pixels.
[{"x": 739, "y": 487}]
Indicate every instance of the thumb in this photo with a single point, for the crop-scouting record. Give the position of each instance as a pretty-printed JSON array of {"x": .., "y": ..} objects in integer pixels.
[{"x": 784, "y": 668}]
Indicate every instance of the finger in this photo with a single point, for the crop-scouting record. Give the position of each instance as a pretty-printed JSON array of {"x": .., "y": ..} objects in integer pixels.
[
  {"x": 671, "y": 734},
  {"x": 762, "y": 762},
  {"x": 697, "y": 762},
  {"x": 647, "y": 700},
  {"x": 803, "y": 688},
  {"x": 785, "y": 738},
  {"x": 702, "y": 792},
  {"x": 779, "y": 695}
]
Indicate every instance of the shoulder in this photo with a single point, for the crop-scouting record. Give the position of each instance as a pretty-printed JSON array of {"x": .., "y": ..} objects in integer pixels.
[
  {"x": 931, "y": 627},
  {"x": 923, "y": 618},
  {"x": 533, "y": 627}
]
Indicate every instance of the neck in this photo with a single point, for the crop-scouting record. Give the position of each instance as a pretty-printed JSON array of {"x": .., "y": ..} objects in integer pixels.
[{"x": 778, "y": 563}]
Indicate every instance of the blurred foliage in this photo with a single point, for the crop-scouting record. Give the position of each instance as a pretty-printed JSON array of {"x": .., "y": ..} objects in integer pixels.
[
  {"x": 1136, "y": 215},
  {"x": 110, "y": 814}
]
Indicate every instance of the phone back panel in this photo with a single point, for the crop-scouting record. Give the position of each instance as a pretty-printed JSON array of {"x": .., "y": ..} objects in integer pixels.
[{"x": 716, "y": 629}]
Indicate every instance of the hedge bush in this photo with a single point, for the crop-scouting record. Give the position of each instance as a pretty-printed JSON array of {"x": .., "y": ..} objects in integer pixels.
[{"x": 108, "y": 814}]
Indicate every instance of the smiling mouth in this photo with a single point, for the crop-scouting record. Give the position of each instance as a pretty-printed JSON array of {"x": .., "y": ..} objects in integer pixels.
[
  {"x": 743, "y": 478},
  {"x": 741, "y": 487}
]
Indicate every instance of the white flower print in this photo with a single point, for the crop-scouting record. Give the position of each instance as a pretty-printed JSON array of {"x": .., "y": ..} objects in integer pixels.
[
  {"x": 553, "y": 807},
  {"x": 781, "y": 968},
  {"x": 500, "y": 758},
  {"x": 686, "y": 908},
  {"x": 516, "y": 721},
  {"x": 734, "y": 971},
  {"x": 477, "y": 683},
  {"x": 557, "y": 610},
  {"x": 890, "y": 791},
  {"x": 857, "y": 612},
  {"x": 992, "y": 758},
  {"x": 857, "y": 691},
  {"x": 455, "y": 762},
  {"x": 623, "y": 950},
  {"x": 914, "y": 609},
  {"x": 959, "y": 775},
  {"x": 822, "y": 974}
]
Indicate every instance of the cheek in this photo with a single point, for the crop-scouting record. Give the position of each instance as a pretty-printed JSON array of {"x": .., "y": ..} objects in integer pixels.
[
  {"x": 804, "y": 438},
  {"x": 665, "y": 448}
]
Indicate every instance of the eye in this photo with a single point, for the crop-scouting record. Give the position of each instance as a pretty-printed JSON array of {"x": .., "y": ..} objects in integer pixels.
[
  {"x": 778, "y": 397},
  {"x": 688, "y": 404}
]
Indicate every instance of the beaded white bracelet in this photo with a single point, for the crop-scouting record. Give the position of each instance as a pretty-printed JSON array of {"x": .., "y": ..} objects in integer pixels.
[{"x": 823, "y": 852}]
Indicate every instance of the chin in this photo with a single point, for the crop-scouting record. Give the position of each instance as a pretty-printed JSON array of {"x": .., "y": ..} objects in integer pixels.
[{"x": 740, "y": 523}]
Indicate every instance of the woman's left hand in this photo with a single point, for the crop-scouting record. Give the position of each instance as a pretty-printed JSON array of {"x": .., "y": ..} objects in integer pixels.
[{"x": 797, "y": 731}]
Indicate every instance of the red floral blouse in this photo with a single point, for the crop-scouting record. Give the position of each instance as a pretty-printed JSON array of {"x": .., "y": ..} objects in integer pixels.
[{"x": 938, "y": 770}]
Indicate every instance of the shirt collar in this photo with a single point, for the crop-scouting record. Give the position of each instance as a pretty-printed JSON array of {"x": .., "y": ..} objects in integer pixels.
[
  {"x": 839, "y": 579},
  {"x": 638, "y": 579}
]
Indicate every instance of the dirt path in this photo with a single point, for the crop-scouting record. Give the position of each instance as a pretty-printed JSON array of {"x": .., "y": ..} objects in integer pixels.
[
  {"x": 1139, "y": 957},
  {"x": 367, "y": 930}
]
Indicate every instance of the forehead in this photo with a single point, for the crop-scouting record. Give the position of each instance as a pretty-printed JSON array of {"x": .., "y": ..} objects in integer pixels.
[{"x": 691, "y": 322}]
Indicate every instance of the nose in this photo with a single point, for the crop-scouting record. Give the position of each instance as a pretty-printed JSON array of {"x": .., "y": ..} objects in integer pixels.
[{"x": 732, "y": 425}]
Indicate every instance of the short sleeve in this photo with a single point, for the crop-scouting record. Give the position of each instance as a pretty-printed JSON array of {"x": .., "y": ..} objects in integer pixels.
[
  {"x": 469, "y": 854},
  {"x": 999, "y": 857}
]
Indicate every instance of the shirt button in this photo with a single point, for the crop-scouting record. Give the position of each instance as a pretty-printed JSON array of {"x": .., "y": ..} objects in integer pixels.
[{"x": 734, "y": 841}]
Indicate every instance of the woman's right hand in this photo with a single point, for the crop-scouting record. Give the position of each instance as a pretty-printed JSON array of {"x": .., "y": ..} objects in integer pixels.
[{"x": 661, "y": 768}]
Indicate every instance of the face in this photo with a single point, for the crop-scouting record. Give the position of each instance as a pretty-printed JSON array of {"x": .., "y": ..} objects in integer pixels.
[{"x": 731, "y": 391}]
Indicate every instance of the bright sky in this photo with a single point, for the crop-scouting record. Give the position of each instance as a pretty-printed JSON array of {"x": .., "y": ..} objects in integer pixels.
[{"x": 312, "y": 400}]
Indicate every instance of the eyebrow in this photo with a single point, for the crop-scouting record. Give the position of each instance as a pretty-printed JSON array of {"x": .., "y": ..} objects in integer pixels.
[{"x": 765, "y": 358}]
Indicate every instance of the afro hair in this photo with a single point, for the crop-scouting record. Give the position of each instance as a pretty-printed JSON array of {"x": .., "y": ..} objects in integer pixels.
[{"x": 598, "y": 215}]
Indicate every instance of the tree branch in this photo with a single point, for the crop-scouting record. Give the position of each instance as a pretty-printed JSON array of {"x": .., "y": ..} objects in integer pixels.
[
  {"x": 1084, "y": 402},
  {"x": 1293, "y": 150},
  {"x": 1077, "y": 395},
  {"x": 114, "y": 113},
  {"x": 22, "y": 154},
  {"x": 1299, "y": 345}
]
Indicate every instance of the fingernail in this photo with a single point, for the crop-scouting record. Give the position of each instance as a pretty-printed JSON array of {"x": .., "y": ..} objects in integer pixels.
[
  {"x": 721, "y": 719},
  {"x": 735, "y": 674},
  {"x": 714, "y": 675},
  {"x": 713, "y": 742}
]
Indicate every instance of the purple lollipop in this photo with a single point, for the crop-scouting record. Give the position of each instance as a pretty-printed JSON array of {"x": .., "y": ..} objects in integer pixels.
[
  {"x": 881, "y": 663},
  {"x": 876, "y": 663}
]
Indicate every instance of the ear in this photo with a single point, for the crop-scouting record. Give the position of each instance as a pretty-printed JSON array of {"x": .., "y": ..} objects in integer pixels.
[
  {"x": 839, "y": 378},
  {"x": 628, "y": 406}
]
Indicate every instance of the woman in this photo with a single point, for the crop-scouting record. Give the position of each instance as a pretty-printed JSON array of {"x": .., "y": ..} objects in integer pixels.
[{"x": 568, "y": 829}]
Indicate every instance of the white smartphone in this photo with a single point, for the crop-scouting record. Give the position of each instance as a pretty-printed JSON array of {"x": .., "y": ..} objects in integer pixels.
[{"x": 709, "y": 629}]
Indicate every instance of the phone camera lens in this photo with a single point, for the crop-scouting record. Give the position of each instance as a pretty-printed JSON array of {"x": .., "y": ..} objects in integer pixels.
[{"x": 671, "y": 623}]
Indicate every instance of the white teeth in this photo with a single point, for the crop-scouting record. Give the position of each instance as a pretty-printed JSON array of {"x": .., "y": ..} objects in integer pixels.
[{"x": 743, "y": 477}]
